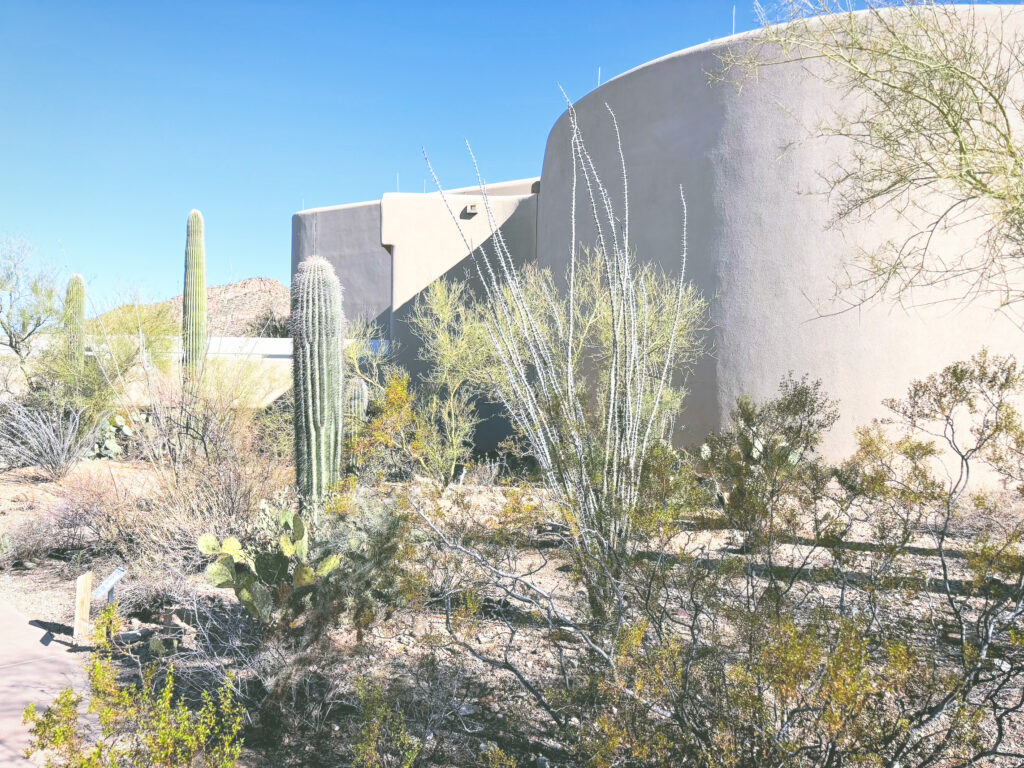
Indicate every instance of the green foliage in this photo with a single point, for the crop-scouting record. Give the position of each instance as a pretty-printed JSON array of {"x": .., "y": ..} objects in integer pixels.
[
  {"x": 421, "y": 425},
  {"x": 356, "y": 565},
  {"x": 318, "y": 335},
  {"x": 384, "y": 741},
  {"x": 929, "y": 121},
  {"x": 765, "y": 459},
  {"x": 428, "y": 435},
  {"x": 121, "y": 342},
  {"x": 271, "y": 582},
  {"x": 873, "y": 616},
  {"x": 112, "y": 435},
  {"x": 592, "y": 419},
  {"x": 74, "y": 321},
  {"x": 142, "y": 724},
  {"x": 28, "y": 299},
  {"x": 193, "y": 303}
]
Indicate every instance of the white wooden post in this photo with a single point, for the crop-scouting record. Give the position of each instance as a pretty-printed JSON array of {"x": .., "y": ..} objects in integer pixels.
[{"x": 83, "y": 601}]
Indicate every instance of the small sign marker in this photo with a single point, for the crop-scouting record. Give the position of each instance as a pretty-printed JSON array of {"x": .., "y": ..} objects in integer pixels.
[{"x": 106, "y": 589}]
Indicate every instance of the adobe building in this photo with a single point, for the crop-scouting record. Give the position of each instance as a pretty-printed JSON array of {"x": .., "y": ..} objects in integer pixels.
[{"x": 760, "y": 246}]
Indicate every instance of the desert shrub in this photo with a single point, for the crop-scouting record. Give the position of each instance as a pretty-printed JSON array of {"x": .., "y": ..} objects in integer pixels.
[
  {"x": 211, "y": 467},
  {"x": 591, "y": 373},
  {"x": 143, "y": 723},
  {"x": 383, "y": 446},
  {"x": 349, "y": 566},
  {"x": 422, "y": 425},
  {"x": 270, "y": 325},
  {"x": 309, "y": 574},
  {"x": 203, "y": 468},
  {"x": 52, "y": 439},
  {"x": 31, "y": 306},
  {"x": 120, "y": 345},
  {"x": 408, "y": 433},
  {"x": 872, "y": 617},
  {"x": 107, "y": 507},
  {"x": 28, "y": 541},
  {"x": 273, "y": 430},
  {"x": 383, "y": 741},
  {"x": 763, "y": 466}
]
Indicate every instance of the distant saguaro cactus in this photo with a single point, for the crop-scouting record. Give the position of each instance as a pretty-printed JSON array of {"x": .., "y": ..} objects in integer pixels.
[
  {"x": 74, "y": 320},
  {"x": 193, "y": 304},
  {"x": 318, "y": 336}
]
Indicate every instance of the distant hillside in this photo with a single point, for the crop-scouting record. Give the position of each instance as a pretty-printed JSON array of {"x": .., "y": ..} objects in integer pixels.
[{"x": 258, "y": 306}]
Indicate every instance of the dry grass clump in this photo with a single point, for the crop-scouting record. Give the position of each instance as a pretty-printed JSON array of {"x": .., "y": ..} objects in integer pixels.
[{"x": 29, "y": 540}]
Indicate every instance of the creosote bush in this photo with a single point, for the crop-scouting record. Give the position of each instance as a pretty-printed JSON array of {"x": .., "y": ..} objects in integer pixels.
[{"x": 141, "y": 723}]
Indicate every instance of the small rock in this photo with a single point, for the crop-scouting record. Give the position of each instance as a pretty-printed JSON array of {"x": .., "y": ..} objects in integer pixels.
[{"x": 134, "y": 636}]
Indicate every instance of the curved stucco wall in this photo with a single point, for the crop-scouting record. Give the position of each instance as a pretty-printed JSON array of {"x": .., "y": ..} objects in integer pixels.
[{"x": 760, "y": 248}]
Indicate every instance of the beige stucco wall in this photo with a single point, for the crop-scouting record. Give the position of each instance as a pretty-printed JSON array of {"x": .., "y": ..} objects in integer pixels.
[
  {"x": 426, "y": 243},
  {"x": 760, "y": 248},
  {"x": 387, "y": 252}
]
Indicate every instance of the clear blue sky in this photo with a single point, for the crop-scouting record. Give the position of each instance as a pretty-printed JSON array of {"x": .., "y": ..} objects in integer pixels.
[{"x": 117, "y": 118}]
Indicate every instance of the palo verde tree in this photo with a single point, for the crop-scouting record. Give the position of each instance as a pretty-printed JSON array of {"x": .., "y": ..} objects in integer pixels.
[
  {"x": 29, "y": 303},
  {"x": 933, "y": 98}
]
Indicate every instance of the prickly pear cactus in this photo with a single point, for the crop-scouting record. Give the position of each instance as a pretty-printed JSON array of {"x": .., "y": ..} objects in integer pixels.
[
  {"x": 271, "y": 580},
  {"x": 74, "y": 320},
  {"x": 318, "y": 335},
  {"x": 193, "y": 305}
]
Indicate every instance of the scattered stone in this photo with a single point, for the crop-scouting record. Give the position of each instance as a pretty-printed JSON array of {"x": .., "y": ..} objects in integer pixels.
[{"x": 134, "y": 636}]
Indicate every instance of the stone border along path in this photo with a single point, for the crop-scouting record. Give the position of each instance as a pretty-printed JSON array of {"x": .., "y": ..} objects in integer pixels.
[{"x": 35, "y": 665}]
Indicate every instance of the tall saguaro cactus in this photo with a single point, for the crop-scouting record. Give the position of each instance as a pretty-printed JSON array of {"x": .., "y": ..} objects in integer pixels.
[
  {"x": 193, "y": 305},
  {"x": 318, "y": 337},
  {"x": 74, "y": 320}
]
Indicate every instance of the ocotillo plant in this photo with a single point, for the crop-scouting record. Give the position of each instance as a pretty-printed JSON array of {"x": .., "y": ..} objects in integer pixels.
[
  {"x": 318, "y": 335},
  {"x": 193, "y": 304},
  {"x": 74, "y": 320}
]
